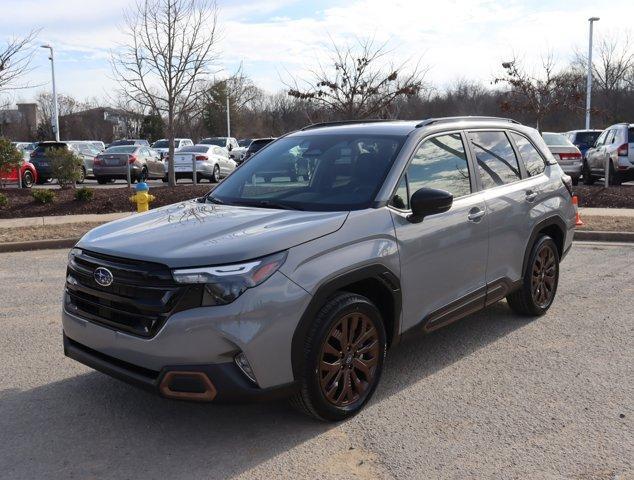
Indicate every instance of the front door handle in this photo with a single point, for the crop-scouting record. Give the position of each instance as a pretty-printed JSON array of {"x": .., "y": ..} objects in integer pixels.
[
  {"x": 475, "y": 214},
  {"x": 531, "y": 196}
]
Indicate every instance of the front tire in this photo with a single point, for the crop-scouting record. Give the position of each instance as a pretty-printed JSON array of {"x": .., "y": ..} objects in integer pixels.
[
  {"x": 539, "y": 285},
  {"x": 343, "y": 358},
  {"x": 215, "y": 176}
]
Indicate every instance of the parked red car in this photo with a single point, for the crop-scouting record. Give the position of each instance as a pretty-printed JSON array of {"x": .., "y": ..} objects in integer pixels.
[{"x": 28, "y": 172}]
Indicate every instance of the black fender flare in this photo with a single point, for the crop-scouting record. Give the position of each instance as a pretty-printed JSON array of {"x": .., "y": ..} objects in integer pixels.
[{"x": 548, "y": 222}]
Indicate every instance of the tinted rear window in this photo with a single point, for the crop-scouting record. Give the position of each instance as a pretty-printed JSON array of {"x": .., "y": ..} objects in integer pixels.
[
  {"x": 42, "y": 148},
  {"x": 117, "y": 143},
  {"x": 630, "y": 135},
  {"x": 220, "y": 142},
  {"x": 121, "y": 149},
  {"x": 556, "y": 140},
  {"x": 161, "y": 144},
  {"x": 194, "y": 149}
]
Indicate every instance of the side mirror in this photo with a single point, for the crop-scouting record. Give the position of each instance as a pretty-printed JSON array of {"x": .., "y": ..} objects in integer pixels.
[{"x": 429, "y": 201}]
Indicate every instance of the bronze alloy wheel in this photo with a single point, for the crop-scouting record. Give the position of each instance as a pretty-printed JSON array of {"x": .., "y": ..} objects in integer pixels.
[
  {"x": 348, "y": 360},
  {"x": 544, "y": 276}
]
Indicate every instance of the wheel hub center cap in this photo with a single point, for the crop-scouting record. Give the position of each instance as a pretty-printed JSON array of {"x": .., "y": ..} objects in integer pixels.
[{"x": 349, "y": 358}]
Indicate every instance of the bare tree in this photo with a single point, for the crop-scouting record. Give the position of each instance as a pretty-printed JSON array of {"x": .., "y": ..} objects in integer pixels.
[
  {"x": 169, "y": 50},
  {"x": 540, "y": 94},
  {"x": 613, "y": 75},
  {"x": 359, "y": 81},
  {"x": 15, "y": 61}
]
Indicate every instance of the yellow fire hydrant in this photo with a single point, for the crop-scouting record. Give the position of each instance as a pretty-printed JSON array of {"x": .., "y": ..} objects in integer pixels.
[{"x": 142, "y": 198}]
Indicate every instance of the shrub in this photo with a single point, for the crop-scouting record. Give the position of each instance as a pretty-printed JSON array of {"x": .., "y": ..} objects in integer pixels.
[
  {"x": 83, "y": 194},
  {"x": 4, "y": 201},
  {"x": 43, "y": 196},
  {"x": 10, "y": 158},
  {"x": 66, "y": 166}
]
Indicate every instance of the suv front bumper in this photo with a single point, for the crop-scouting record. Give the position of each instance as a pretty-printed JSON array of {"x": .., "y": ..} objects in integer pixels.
[
  {"x": 227, "y": 383},
  {"x": 260, "y": 324}
]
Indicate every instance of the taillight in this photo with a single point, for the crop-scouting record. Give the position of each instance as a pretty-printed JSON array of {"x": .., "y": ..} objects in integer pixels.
[
  {"x": 97, "y": 161},
  {"x": 623, "y": 150},
  {"x": 131, "y": 158},
  {"x": 570, "y": 156},
  {"x": 201, "y": 158}
]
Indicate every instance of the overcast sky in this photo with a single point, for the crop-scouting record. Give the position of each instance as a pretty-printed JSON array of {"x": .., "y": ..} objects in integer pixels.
[{"x": 454, "y": 38}]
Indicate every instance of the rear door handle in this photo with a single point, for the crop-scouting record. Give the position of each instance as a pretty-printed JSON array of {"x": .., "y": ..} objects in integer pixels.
[
  {"x": 531, "y": 196},
  {"x": 475, "y": 214}
]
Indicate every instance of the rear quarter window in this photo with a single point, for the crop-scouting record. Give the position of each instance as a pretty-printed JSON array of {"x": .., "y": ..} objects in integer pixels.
[{"x": 533, "y": 161}]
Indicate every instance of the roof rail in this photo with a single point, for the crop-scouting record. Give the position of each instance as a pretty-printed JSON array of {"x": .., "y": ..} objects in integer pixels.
[
  {"x": 431, "y": 121},
  {"x": 343, "y": 122}
]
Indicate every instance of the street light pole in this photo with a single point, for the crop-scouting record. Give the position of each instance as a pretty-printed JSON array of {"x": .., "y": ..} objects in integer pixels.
[
  {"x": 228, "y": 117},
  {"x": 55, "y": 119},
  {"x": 589, "y": 79}
]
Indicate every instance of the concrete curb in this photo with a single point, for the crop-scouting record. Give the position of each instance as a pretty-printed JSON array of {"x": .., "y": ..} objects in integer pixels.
[
  {"x": 599, "y": 236},
  {"x": 61, "y": 219},
  {"x": 38, "y": 245}
]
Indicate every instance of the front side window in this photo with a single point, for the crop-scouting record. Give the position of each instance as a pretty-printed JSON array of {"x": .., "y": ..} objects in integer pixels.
[
  {"x": 533, "y": 161},
  {"x": 496, "y": 159},
  {"x": 313, "y": 172},
  {"x": 440, "y": 162},
  {"x": 601, "y": 139},
  {"x": 610, "y": 138}
]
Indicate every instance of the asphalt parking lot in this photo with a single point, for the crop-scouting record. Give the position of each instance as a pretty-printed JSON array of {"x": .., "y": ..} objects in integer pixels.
[{"x": 491, "y": 396}]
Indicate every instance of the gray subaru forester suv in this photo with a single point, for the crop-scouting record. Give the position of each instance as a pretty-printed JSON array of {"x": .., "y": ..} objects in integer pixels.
[{"x": 298, "y": 285}]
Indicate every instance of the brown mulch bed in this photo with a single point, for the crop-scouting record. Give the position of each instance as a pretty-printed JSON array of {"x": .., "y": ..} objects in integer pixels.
[
  {"x": 607, "y": 224},
  {"x": 596, "y": 196},
  {"x": 105, "y": 200}
]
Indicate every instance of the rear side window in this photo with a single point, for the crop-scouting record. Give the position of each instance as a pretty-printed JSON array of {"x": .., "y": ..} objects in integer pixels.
[
  {"x": 496, "y": 159},
  {"x": 610, "y": 138},
  {"x": 533, "y": 161},
  {"x": 440, "y": 162},
  {"x": 630, "y": 135}
]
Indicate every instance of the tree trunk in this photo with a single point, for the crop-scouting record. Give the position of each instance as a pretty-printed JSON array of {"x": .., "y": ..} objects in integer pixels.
[{"x": 170, "y": 152}]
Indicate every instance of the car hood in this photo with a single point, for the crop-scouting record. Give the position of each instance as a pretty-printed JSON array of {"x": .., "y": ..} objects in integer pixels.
[{"x": 196, "y": 234}]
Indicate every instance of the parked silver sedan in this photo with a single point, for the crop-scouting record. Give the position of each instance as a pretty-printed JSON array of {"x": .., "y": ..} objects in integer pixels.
[
  {"x": 212, "y": 163},
  {"x": 567, "y": 155},
  {"x": 113, "y": 163}
]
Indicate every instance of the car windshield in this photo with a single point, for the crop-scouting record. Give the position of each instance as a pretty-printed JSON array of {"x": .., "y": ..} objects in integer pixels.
[
  {"x": 245, "y": 142},
  {"x": 219, "y": 142},
  {"x": 556, "y": 140},
  {"x": 313, "y": 172},
  {"x": 586, "y": 138},
  {"x": 161, "y": 144},
  {"x": 121, "y": 149},
  {"x": 194, "y": 149}
]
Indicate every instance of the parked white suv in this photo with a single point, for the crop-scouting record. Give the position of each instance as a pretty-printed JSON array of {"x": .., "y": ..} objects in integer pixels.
[
  {"x": 162, "y": 146},
  {"x": 616, "y": 145}
]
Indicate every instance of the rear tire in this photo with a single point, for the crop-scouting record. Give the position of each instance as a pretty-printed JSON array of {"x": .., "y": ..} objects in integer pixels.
[
  {"x": 575, "y": 181},
  {"x": 539, "y": 284},
  {"x": 343, "y": 359},
  {"x": 215, "y": 176},
  {"x": 27, "y": 179},
  {"x": 142, "y": 176},
  {"x": 82, "y": 175},
  {"x": 102, "y": 180}
]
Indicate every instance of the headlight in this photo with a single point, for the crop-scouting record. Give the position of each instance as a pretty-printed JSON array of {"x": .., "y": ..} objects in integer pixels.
[
  {"x": 73, "y": 252},
  {"x": 224, "y": 284}
]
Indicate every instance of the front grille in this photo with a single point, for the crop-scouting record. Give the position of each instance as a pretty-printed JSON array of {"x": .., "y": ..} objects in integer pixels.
[{"x": 140, "y": 299}]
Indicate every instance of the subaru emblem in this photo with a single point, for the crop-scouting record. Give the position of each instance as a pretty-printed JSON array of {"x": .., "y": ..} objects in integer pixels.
[{"x": 103, "y": 276}]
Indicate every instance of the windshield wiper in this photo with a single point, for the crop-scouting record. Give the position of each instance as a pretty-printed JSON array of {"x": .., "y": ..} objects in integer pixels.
[
  {"x": 212, "y": 199},
  {"x": 268, "y": 204}
]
